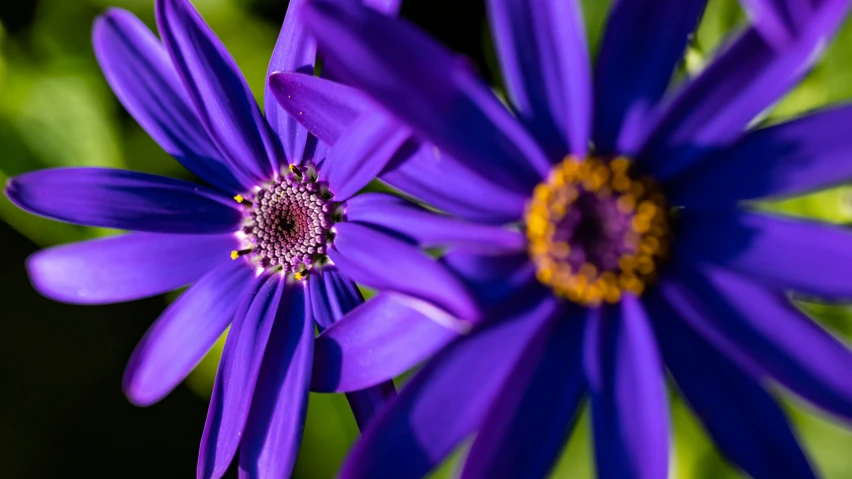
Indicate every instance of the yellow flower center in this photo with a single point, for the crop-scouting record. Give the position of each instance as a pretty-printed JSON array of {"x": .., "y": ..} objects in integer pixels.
[{"x": 595, "y": 232}]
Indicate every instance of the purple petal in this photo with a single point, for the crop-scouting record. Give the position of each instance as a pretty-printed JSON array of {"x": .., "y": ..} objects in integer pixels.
[
  {"x": 122, "y": 199},
  {"x": 237, "y": 374},
  {"x": 331, "y": 297},
  {"x": 748, "y": 76},
  {"x": 778, "y": 20},
  {"x": 765, "y": 334},
  {"x": 542, "y": 50},
  {"x": 361, "y": 153},
  {"x": 378, "y": 341},
  {"x": 430, "y": 229},
  {"x": 792, "y": 158},
  {"x": 295, "y": 51},
  {"x": 527, "y": 428},
  {"x": 388, "y": 7},
  {"x": 365, "y": 254},
  {"x": 441, "y": 181},
  {"x": 429, "y": 88},
  {"x": 786, "y": 253},
  {"x": 184, "y": 333},
  {"x": 629, "y": 406},
  {"x": 141, "y": 74},
  {"x": 446, "y": 401},
  {"x": 744, "y": 421},
  {"x": 274, "y": 429},
  {"x": 644, "y": 41},
  {"x": 326, "y": 108},
  {"x": 126, "y": 267},
  {"x": 222, "y": 99},
  {"x": 494, "y": 279}
]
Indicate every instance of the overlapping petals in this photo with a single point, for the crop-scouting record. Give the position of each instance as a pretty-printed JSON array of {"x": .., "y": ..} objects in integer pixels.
[
  {"x": 745, "y": 422},
  {"x": 361, "y": 253},
  {"x": 238, "y": 372},
  {"x": 274, "y": 427},
  {"x": 792, "y": 158},
  {"x": 526, "y": 428},
  {"x": 222, "y": 99},
  {"x": 184, "y": 333},
  {"x": 629, "y": 406},
  {"x": 635, "y": 64},
  {"x": 143, "y": 78},
  {"x": 295, "y": 51},
  {"x": 432, "y": 90},
  {"x": 332, "y": 297},
  {"x": 446, "y": 401},
  {"x": 746, "y": 77},
  {"x": 379, "y": 340},
  {"x": 545, "y": 63},
  {"x": 428, "y": 229}
]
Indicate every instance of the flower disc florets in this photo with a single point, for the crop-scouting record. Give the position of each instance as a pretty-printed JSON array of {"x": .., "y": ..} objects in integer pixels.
[
  {"x": 289, "y": 223},
  {"x": 595, "y": 232}
]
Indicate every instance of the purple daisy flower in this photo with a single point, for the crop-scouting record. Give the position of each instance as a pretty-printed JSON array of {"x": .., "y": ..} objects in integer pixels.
[
  {"x": 268, "y": 247},
  {"x": 634, "y": 248}
]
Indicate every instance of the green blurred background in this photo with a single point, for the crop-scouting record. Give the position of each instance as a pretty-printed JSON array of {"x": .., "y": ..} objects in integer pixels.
[{"x": 61, "y": 408}]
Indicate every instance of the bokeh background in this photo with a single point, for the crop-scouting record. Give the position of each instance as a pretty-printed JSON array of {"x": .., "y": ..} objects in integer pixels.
[{"x": 62, "y": 413}]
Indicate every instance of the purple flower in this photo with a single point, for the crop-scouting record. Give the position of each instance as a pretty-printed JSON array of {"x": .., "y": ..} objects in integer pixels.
[
  {"x": 270, "y": 247},
  {"x": 634, "y": 248}
]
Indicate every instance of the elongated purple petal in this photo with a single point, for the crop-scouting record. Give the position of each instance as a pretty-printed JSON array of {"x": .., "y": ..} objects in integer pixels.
[
  {"x": 423, "y": 171},
  {"x": 527, "y": 428},
  {"x": 786, "y": 253},
  {"x": 141, "y": 74},
  {"x": 430, "y": 229},
  {"x": 295, "y": 51},
  {"x": 629, "y": 410},
  {"x": 792, "y": 158},
  {"x": 273, "y": 432},
  {"x": 332, "y": 296},
  {"x": 127, "y": 267},
  {"x": 427, "y": 87},
  {"x": 748, "y": 76},
  {"x": 744, "y": 421},
  {"x": 377, "y": 341},
  {"x": 446, "y": 401},
  {"x": 766, "y": 334},
  {"x": 184, "y": 333},
  {"x": 545, "y": 62},
  {"x": 218, "y": 91},
  {"x": 778, "y": 20},
  {"x": 122, "y": 199},
  {"x": 383, "y": 262},
  {"x": 237, "y": 374},
  {"x": 326, "y": 108},
  {"x": 644, "y": 41},
  {"x": 362, "y": 153}
]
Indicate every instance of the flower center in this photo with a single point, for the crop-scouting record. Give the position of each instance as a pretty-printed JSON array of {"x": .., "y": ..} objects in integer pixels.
[
  {"x": 289, "y": 222},
  {"x": 595, "y": 232}
]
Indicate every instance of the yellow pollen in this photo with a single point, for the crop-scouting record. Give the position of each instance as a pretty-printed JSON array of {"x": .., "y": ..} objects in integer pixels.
[
  {"x": 239, "y": 198},
  {"x": 642, "y": 229}
]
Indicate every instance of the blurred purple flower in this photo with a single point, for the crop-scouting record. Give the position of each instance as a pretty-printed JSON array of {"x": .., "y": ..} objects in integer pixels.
[
  {"x": 255, "y": 244},
  {"x": 632, "y": 246}
]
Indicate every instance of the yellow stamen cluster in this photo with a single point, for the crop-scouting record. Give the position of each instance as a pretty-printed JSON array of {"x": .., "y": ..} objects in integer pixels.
[{"x": 645, "y": 240}]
